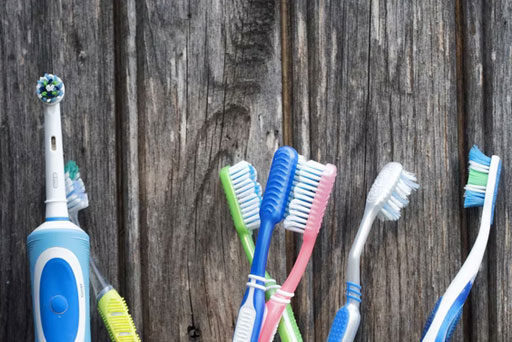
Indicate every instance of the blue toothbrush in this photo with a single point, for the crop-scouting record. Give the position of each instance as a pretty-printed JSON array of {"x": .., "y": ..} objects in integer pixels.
[
  {"x": 58, "y": 250},
  {"x": 273, "y": 206},
  {"x": 481, "y": 191}
]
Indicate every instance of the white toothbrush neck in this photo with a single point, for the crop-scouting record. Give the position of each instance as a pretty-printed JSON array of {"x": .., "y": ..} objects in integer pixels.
[
  {"x": 56, "y": 205},
  {"x": 353, "y": 265}
]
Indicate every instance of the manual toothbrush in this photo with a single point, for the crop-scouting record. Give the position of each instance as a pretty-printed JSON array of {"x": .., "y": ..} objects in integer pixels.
[
  {"x": 58, "y": 250},
  {"x": 306, "y": 210},
  {"x": 273, "y": 205},
  {"x": 243, "y": 192},
  {"x": 111, "y": 306},
  {"x": 481, "y": 191},
  {"x": 387, "y": 196}
]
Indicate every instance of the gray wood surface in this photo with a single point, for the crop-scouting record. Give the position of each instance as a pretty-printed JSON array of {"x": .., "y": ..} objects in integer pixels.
[{"x": 162, "y": 94}]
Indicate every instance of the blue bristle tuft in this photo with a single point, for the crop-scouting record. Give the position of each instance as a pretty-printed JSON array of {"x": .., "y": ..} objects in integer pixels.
[
  {"x": 473, "y": 199},
  {"x": 477, "y": 156}
]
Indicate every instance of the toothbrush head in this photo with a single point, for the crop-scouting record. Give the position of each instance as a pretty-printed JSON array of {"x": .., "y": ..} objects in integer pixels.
[
  {"x": 240, "y": 183},
  {"x": 390, "y": 191},
  {"x": 75, "y": 191},
  {"x": 50, "y": 89},
  {"x": 310, "y": 196},
  {"x": 279, "y": 184},
  {"x": 479, "y": 176}
]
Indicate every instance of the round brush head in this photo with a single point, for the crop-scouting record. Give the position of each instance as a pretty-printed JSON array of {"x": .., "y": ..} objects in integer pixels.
[
  {"x": 391, "y": 190},
  {"x": 50, "y": 89}
]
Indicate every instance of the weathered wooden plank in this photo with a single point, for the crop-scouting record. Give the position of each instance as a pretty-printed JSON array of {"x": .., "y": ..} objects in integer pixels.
[
  {"x": 488, "y": 83},
  {"x": 127, "y": 138},
  {"x": 209, "y": 94},
  {"x": 74, "y": 40},
  {"x": 381, "y": 86}
]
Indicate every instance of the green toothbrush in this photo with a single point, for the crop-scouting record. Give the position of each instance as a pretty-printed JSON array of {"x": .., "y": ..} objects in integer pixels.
[{"x": 243, "y": 193}]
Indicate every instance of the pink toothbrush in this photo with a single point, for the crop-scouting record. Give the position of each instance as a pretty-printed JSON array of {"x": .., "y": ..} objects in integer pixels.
[{"x": 306, "y": 211}]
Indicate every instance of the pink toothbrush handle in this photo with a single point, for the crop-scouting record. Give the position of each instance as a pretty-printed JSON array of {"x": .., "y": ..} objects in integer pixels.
[
  {"x": 273, "y": 312},
  {"x": 277, "y": 303}
]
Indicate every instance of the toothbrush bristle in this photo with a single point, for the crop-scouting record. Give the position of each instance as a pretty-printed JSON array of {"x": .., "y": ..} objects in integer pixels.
[
  {"x": 398, "y": 198},
  {"x": 75, "y": 188},
  {"x": 248, "y": 192},
  {"x": 479, "y": 166},
  {"x": 50, "y": 89},
  {"x": 308, "y": 183},
  {"x": 300, "y": 164}
]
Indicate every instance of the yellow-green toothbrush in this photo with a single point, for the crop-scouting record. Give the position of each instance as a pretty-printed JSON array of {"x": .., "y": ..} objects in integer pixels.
[
  {"x": 243, "y": 193},
  {"x": 111, "y": 306},
  {"x": 113, "y": 309}
]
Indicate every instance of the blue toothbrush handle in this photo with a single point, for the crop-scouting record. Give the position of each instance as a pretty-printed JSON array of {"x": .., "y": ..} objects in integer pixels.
[
  {"x": 59, "y": 269},
  {"x": 446, "y": 329},
  {"x": 346, "y": 322},
  {"x": 252, "y": 310}
]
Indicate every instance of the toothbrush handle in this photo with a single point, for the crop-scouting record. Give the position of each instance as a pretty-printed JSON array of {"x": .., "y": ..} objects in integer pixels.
[
  {"x": 345, "y": 325},
  {"x": 250, "y": 315},
  {"x": 346, "y": 322},
  {"x": 443, "y": 331},
  {"x": 116, "y": 317},
  {"x": 59, "y": 269},
  {"x": 273, "y": 311},
  {"x": 288, "y": 329}
]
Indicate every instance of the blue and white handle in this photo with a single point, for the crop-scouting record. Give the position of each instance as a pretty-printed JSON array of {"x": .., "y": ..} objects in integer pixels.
[
  {"x": 59, "y": 269},
  {"x": 58, "y": 250},
  {"x": 446, "y": 326},
  {"x": 346, "y": 322},
  {"x": 250, "y": 313}
]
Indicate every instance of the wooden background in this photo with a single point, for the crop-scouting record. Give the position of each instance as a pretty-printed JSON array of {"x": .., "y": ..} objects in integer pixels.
[{"x": 162, "y": 94}]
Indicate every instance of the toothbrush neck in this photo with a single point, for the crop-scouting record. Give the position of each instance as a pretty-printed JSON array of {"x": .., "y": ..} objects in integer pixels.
[
  {"x": 353, "y": 265},
  {"x": 291, "y": 283},
  {"x": 259, "y": 262},
  {"x": 56, "y": 205}
]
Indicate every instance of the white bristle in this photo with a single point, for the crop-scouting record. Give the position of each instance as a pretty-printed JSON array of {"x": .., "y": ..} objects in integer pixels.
[
  {"x": 398, "y": 198},
  {"x": 76, "y": 196},
  {"x": 302, "y": 195},
  {"x": 248, "y": 192},
  {"x": 300, "y": 163}
]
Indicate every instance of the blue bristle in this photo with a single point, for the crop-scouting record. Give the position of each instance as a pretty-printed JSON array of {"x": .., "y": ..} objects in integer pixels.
[
  {"x": 476, "y": 155},
  {"x": 473, "y": 199}
]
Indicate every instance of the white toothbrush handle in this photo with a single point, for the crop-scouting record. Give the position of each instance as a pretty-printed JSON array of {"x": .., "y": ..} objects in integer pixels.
[
  {"x": 56, "y": 204},
  {"x": 246, "y": 319}
]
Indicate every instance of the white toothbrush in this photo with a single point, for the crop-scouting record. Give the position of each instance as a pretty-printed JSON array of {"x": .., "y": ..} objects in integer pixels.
[{"x": 388, "y": 195}]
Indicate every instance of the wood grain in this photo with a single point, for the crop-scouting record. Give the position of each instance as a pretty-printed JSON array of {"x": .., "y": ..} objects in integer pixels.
[
  {"x": 380, "y": 86},
  {"x": 74, "y": 40},
  {"x": 162, "y": 94},
  {"x": 487, "y": 35},
  {"x": 210, "y": 83}
]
